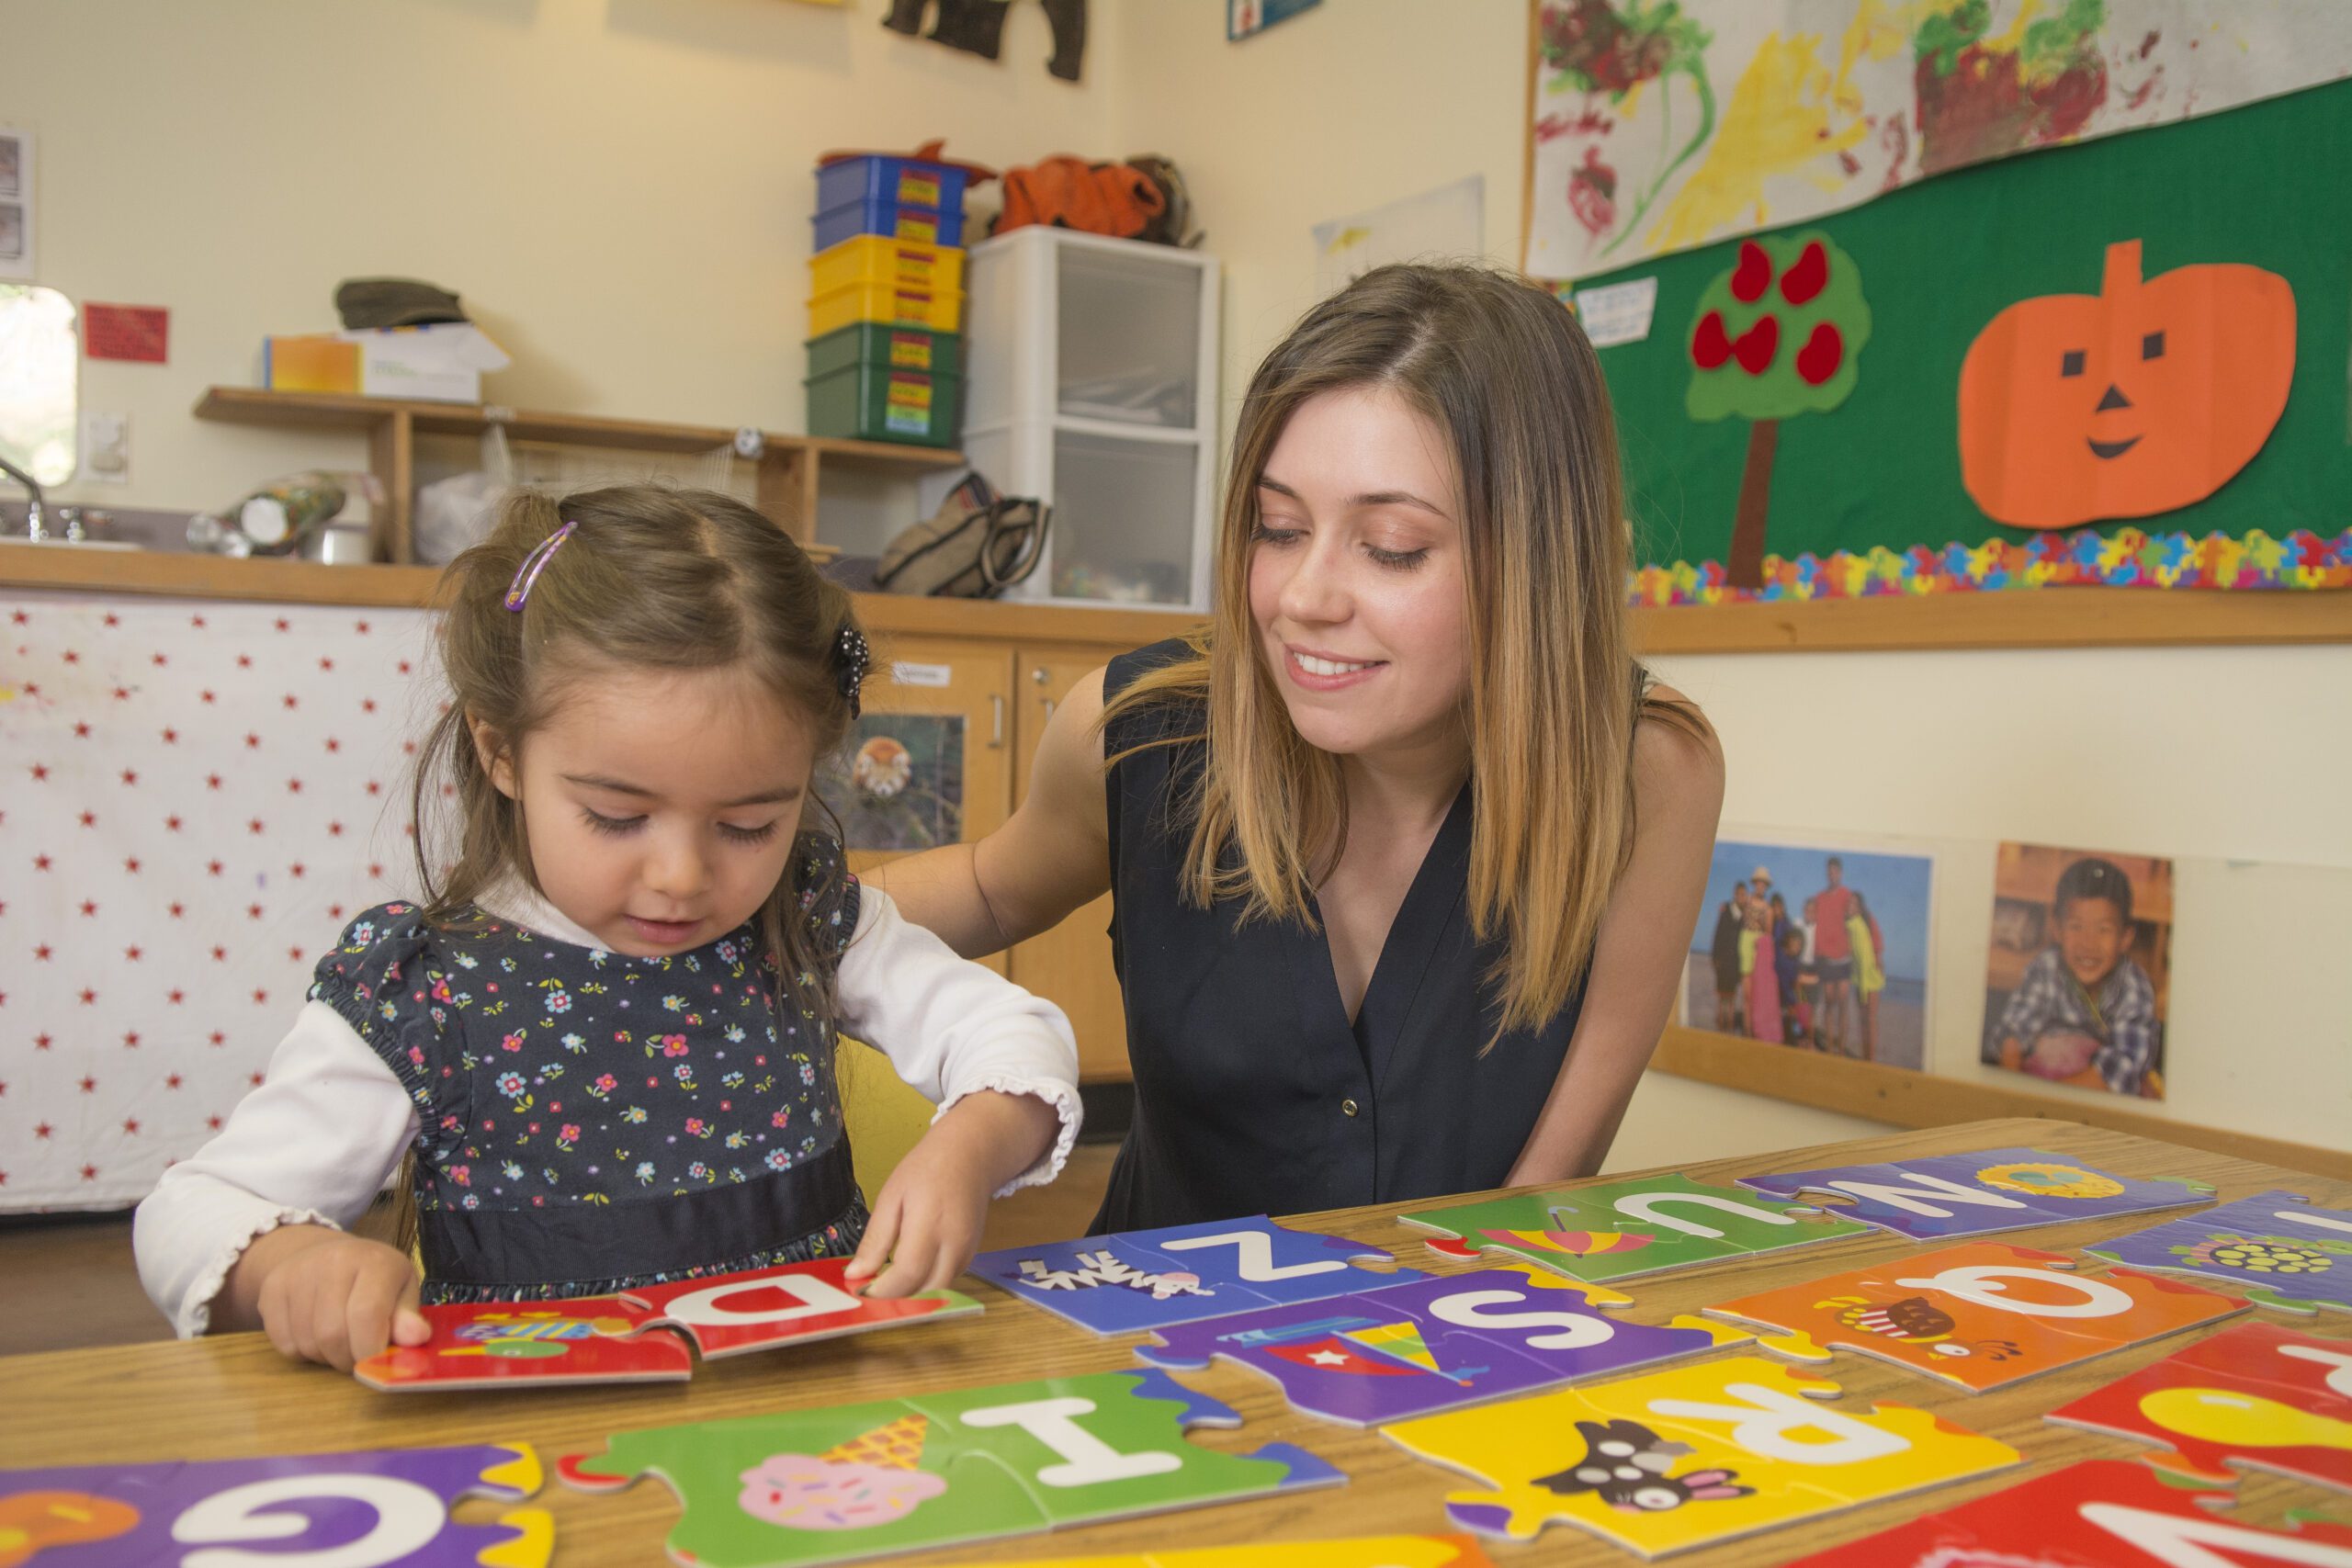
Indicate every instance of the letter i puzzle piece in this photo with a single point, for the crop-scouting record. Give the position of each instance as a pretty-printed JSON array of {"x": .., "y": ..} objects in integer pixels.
[
  {"x": 1620, "y": 1230},
  {"x": 2277, "y": 1248},
  {"x": 1945, "y": 1197},
  {"x": 1141, "y": 1279}
]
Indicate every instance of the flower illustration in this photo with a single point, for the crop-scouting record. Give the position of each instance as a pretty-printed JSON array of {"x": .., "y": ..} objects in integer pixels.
[
  {"x": 674, "y": 1004},
  {"x": 633, "y": 1115},
  {"x": 511, "y": 1084},
  {"x": 645, "y": 1173},
  {"x": 779, "y": 1159},
  {"x": 734, "y": 1034},
  {"x": 699, "y": 1171},
  {"x": 697, "y": 1128},
  {"x": 737, "y": 1139},
  {"x": 511, "y": 1171},
  {"x": 573, "y": 1043},
  {"x": 672, "y": 1044},
  {"x": 512, "y": 1043},
  {"x": 559, "y": 1001},
  {"x": 685, "y": 1073},
  {"x": 780, "y": 1118},
  {"x": 2260, "y": 1254},
  {"x": 463, "y": 1175}
]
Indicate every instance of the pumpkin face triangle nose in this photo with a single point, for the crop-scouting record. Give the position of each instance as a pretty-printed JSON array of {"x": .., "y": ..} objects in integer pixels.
[{"x": 2113, "y": 400}]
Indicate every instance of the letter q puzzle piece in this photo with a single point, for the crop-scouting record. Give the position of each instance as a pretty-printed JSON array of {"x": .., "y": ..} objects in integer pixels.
[{"x": 1944, "y": 1197}]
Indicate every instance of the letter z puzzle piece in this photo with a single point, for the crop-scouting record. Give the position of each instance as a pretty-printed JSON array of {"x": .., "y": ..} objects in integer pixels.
[
  {"x": 1687, "y": 1457},
  {"x": 2258, "y": 1395},
  {"x": 940, "y": 1469},
  {"x": 1434, "y": 1345},
  {"x": 2277, "y": 1248},
  {"x": 2110, "y": 1512},
  {"x": 1141, "y": 1279},
  {"x": 1620, "y": 1230},
  {"x": 368, "y": 1509},
  {"x": 1981, "y": 1315},
  {"x": 1355, "y": 1551},
  {"x": 1948, "y": 1196}
]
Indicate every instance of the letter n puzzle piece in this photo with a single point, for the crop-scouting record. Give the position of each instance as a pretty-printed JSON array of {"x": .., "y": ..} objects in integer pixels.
[
  {"x": 2276, "y": 1247},
  {"x": 2257, "y": 1395},
  {"x": 1433, "y": 1345},
  {"x": 1981, "y": 1315},
  {"x": 367, "y": 1509},
  {"x": 1140, "y": 1279},
  {"x": 2110, "y": 1512},
  {"x": 1687, "y": 1457},
  {"x": 1620, "y": 1230},
  {"x": 503, "y": 1344},
  {"x": 792, "y": 1303},
  {"x": 1948, "y": 1196}
]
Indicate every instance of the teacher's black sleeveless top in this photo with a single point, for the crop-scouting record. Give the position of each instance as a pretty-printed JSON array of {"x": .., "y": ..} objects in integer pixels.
[{"x": 1253, "y": 1094}]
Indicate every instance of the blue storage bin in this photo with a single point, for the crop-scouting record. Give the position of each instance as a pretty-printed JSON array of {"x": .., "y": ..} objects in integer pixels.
[
  {"x": 887, "y": 181},
  {"x": 866, "y": 216}
]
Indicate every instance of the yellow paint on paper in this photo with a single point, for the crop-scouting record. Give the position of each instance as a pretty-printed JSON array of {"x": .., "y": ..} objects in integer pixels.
[{"x": 1779, "y": 121}]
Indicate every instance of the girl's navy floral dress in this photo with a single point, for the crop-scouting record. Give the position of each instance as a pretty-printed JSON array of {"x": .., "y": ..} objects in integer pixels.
[{"x": 589, "y": 1121}]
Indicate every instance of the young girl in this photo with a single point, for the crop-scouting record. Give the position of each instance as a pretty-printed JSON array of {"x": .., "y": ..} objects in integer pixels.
[{"x": 605, "y": 1041}]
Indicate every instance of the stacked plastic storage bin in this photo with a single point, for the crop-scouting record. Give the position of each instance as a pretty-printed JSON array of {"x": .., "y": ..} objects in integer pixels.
[{"x": 886, "y": 302}]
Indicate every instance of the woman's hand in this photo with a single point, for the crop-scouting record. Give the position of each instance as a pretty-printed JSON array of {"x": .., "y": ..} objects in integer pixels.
[
  {"x": 325, "y": 1296},
  {"x": 927, "y": 1220}
]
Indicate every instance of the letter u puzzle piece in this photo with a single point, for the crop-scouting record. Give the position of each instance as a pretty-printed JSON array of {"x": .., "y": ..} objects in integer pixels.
[
  {"x": 1434, "y": 1345},
  {"x": 368, "y": 1509},
  {"x": 939, "y": 1468},
  {"x": 1981, "y": 1315},
  {"x": 1620, "y": 1230},
  {"x": 1944, "y": 1197},
  {"x": 1356, "y": 1552},
  {"x": 1687, "y": 1457},
  {"x": 2109, "y": 1512},
  {"x": 2258, "y": 1395},
  {"x": 618, "y": 1338},
  {"x": 2277, "y": 1248},
  {"x": 1139, "y": 1280}
]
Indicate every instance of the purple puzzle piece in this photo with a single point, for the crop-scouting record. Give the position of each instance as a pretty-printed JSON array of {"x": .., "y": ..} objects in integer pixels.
[
  {"x": 2277, "y": 1248},
  {"x": 380, "y": 1508},
  {"x": 1431, "y": 1344},
  {"x": 1945, "y": 1196}
]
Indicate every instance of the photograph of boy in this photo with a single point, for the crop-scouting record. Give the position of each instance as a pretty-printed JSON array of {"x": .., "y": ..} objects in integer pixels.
[{"x": 2074, "y": 989}]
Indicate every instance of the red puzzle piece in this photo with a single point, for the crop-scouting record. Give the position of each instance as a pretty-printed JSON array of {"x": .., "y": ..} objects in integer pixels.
[
  {"x": 501, "y": 1344},
  {"x": 794, "y": 1302}
]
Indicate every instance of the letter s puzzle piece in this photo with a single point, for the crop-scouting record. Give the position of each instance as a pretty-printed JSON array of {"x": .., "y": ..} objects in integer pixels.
[
  {"x": 1981, "y": 1315},
  {"x": 2110, "y": 1512},
  {"x": 367, "y": 1509},
  {"x": 2277, "y": 1248},
  {"x": 1620, "y": 1230},
  {"x": 2257, "y": 1395},
  {"x": 1944, "y": 1197},
  {"x": 1687, "y": 1457},
  {"x": 792, "y": 1303},
  {"x": 543, "y": 1344}
]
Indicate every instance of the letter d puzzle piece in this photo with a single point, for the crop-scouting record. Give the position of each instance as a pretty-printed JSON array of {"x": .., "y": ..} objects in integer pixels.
[
  {"x": 2257, "y": 1395},
  {"x": 370, "y": 1509},
  {"x": 1687, "y": 1457},
  {"x": 938, "y": 1469},
  {"x": 2110, "y": 1512},
  {"x": 2277, "y": 1248},
  {"x": 1620, "y": 1230},
  {"x": 1981, "y": 1315},
  {"x": 793, "y": 1304},
  {"x": 1947, "y": 1196}
]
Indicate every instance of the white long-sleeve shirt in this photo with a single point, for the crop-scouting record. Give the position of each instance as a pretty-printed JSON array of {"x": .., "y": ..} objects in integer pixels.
[{"x": 315, "y": 1142}]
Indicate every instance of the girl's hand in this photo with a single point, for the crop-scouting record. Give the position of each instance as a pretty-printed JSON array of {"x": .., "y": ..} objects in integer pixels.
[
  {"x": 927, "y": 1220},
  {"x": 325, "y": 1296}
]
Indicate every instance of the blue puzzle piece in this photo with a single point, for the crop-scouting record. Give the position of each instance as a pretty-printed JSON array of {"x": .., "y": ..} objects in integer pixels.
[
  {"x": 2277, "y": 1248},
  {"x": 1947, "y": 1196}
]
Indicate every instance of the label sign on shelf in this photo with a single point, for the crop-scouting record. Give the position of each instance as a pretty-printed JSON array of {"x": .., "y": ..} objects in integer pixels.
[{"x": 905, "y": 674}]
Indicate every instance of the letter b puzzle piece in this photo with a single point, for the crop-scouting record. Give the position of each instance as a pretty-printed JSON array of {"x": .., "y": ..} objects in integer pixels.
[
  {"x": 1140, "y": 1279},
  {"x": 2277, "y": 1248},
  {"x": 2257, "y": 1395},
  {"x": 1690, "y": 1456},
  {"x": 1947, "y": 1196},
  {"x": 1620, "y": 1230},
  {"x": 1981, "y": 1315}
]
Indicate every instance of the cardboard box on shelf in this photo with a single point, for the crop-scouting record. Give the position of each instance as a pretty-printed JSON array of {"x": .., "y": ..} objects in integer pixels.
[{"x": 440, "y": 363}]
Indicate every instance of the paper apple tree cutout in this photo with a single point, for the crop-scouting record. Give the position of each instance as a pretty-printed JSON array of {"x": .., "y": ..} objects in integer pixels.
[
  {"x": 2145, "y": 398},
  {"x": 1778, "y": 336}
]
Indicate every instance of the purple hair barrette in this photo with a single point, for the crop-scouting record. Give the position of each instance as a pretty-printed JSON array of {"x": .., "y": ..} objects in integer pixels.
[{"x": 528, "y": 574}]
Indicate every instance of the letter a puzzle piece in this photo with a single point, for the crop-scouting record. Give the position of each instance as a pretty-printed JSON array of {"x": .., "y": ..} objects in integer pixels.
[
  {"x": 541, "y": 1344},
  {"x": 2257, "y": 1395},
  {"x": 1687, "y": 1457},
  {"x": 2110, "y": 1512},
  {"x": 1620, "y": 1230},
  {"x": 1434, "y": 1345},
  {"x": 1981, "y": 1315},
  {"x": 388, "y": 1506},
  {"x": 794, "y": 1302},
  {"x": 2277, "y": 1248},
  {"x": 1948, "y": 1196},
  {"x": 1140, "y": 1279}
]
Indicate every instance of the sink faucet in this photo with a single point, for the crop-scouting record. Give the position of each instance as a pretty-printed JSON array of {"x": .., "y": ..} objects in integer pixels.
[{"x": 33, "y": 528}]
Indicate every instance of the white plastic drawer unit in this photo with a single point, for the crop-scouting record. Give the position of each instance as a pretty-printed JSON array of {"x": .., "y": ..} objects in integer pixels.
[{"x": 1094, "y": 384}]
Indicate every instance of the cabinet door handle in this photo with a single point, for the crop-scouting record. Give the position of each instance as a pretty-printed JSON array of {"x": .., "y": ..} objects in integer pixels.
[
  {"x": 1049, "y": 708},
  {"x": 996, "y": 718}
]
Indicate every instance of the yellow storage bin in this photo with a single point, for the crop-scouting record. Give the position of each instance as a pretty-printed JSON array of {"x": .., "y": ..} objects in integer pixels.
[
  {"x": 941, "y": 309},
  {"x": 879, "y": 258}
]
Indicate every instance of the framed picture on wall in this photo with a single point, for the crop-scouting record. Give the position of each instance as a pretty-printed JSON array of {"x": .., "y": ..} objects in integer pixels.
[
  {"x": 2077, "y": 982},
  {"x": 898, "y": 783}
]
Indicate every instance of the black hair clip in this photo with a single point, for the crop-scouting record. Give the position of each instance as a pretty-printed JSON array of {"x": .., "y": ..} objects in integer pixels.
[{"x": 850, "y": 659}]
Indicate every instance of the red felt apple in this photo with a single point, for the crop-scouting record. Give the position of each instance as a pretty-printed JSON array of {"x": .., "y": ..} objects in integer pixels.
[
  {"x": 1805, "y": 280},
  {"x": 1709, "y": 346},
  {"x": 1821, "y": 353},
  {"x": 1758, "y": 345},
  {"x": 1754, "y": 273}
]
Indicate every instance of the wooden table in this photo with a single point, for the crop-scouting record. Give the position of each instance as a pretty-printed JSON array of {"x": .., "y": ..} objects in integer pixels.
[{"x": 233, "y": 1396}]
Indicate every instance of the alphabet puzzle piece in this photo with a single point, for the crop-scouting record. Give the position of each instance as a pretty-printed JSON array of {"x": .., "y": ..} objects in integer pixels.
[
  {"x": 618, "y": 1338},
  {"x": 1687, "y": 1457},
  {"x": 1356, "y": 1552},
  {"x": 940, "y": 1469},
  {"x": 367, "y": 1509},
  {"x": 1434, "y": 1345},
  {"x": 2277, "y": 1248},
  {"x": 1620, "y": 1230},
  {"x": 2107, "y": 1512},
  {"x": 1140, "y": 1279},
  {"x": 1981, "y": 1315},
  {"x": 2257, "y": 1395},
  {"x": 1945, "y": 1197}
]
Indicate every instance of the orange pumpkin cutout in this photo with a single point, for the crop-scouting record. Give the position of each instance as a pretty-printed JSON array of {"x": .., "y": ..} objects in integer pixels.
[{"x": 2145, "y": 397}]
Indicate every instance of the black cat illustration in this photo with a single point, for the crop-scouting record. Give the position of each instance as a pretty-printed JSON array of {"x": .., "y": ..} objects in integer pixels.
[{"x": 1625, "y": 1464}]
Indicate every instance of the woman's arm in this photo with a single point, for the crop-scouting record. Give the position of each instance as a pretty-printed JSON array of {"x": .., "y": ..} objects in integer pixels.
[
  {"x": 1638, "y": 959},
  {"x": 1051, "y": 856}
]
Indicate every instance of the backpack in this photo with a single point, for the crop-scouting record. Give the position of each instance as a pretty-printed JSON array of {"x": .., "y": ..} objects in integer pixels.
[
  {"x": 977, "y": 545},
  {"x": 1118, "y": 199}
]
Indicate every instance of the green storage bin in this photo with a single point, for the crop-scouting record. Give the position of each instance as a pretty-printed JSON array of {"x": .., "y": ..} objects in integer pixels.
[
  {"x": 866, "y": 401},
  {"x": 894, "y": 347}
]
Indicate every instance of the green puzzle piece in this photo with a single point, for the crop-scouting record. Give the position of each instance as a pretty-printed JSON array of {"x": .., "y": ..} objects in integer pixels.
[{"x": 1616, "y": 1230}]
